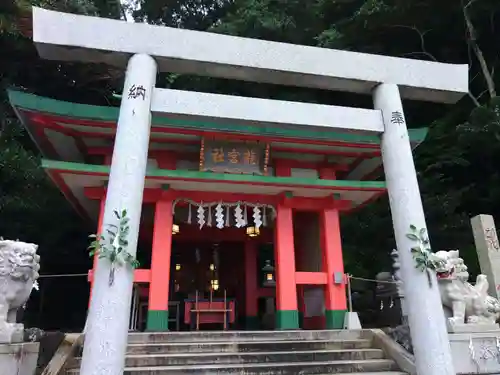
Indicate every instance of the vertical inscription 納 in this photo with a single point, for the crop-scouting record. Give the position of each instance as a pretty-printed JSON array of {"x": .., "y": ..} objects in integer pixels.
[{"x": 137, "y": 92}]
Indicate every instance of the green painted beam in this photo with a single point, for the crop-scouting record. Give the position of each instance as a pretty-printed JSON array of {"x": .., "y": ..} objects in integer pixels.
[
  {"x": 221, "y": 177},
  {"x": 335, "y": 319},
  {"x": 287, "y": 319},
  {"x": 110, "y": 114}
]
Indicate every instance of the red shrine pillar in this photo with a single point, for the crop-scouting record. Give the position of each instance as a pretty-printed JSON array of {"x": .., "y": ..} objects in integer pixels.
[
  {"x": 160, "y": 267},
  {"x": 251, "y": 287},
  {"x": 287, "y": 315},
  {"x": 99, "y": 231},
  {"x": 333, "y": 266}
]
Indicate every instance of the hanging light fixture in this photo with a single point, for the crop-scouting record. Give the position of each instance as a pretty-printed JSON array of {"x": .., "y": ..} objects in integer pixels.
[
  {"x": 268, "y": 270},
  {"x": 175, "y": 229},
  {"x": 252, "y": 231},
  {"x": 177, "y": 267},
  {"x": 214, "y": 284}
]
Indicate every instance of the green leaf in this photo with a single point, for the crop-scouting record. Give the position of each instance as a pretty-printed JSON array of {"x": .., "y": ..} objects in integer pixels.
[
  {"x": 117, "y": 214},
  {"x": 415, "y": 250},
  {"x": 413, "y": 227},
  {"x": 94, "y": 244}
]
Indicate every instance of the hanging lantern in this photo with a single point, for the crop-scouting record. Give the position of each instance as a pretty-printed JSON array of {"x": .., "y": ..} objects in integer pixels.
[
  {"x": 268, "y": 270},
  {"x": 252, "y": 231},
  {"x": 214, "y": 284},
  {"x": 175, "y": 229}
]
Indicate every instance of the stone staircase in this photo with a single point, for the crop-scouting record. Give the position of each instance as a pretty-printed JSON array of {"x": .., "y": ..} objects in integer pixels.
[{"x": 252, "y": 353}]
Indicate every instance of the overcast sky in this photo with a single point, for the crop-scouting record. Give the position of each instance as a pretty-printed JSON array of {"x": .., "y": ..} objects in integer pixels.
[{"x": 127, "y": 14}]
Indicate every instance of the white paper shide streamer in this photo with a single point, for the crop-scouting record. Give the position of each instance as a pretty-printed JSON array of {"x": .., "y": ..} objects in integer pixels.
[
  {"x": 223, "y": 219},
  {"x": 219, "y": 216}
]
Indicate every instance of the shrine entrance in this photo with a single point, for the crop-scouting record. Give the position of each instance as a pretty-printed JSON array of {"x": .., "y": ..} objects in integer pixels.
[
  {"x": 215, "y": 263},
  {"x": 215, "y": 269},
  {"x": 206, "y": 276}
]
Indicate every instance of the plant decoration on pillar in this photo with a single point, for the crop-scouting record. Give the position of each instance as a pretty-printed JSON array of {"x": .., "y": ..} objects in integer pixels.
[
  {"x": 425, "y": 260},
  {"x": 114, "y": 248}
]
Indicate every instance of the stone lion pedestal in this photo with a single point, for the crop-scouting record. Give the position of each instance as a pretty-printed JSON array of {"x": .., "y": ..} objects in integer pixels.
[
  {"x": 19, "y": 359},
  {"x": 19, "y": 265},
  {"x": 471, "y": 317},
  {"x": 476, "y": 350}
]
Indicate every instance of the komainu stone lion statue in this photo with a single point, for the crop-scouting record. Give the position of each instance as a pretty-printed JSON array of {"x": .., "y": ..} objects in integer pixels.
[
  {"x": 19, "y": 265},
  {"x": 463, "y": 302}
]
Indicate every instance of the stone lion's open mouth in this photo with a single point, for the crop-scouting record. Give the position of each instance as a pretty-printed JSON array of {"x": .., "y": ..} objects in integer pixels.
[{"x": 445, "y": 274}]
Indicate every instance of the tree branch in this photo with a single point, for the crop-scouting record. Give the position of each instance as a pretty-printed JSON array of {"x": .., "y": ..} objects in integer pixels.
[
  {"x": 423, "y": 53},
  {"x": 421, "y": 35},
  {"x": 471, "y": 39},
  {"x": 474, "y": 100}
]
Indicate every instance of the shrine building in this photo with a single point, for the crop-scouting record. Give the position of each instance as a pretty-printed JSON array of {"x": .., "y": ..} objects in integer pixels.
[{"x": 239, "y": 212}]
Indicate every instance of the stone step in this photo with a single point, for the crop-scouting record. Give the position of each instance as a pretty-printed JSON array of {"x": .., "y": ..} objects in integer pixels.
[
  {"x": 246, "y": 346},
  {"x": 294, "y": 368},
  {"x": 151, "y": 360},
  {"x": 235, "y": 336}
]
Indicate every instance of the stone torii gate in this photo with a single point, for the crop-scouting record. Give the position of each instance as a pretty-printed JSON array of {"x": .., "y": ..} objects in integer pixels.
[{"x": 144, "y": 50}]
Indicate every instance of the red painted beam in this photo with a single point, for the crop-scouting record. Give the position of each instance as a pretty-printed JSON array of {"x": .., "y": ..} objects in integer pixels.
[
  {"x": 153, "y": 154},
  {"x": 298, "y": 203},
  {"x": 316, "y": 204},
  {"x": 217, "y": 134},
  {"x": 311, "y": 278},
  {"x": 194, "y": 156},
  {"x": 201, "y": 196},
  {"x": 370, "y": 154},
  {"x": 192, "y": 233},
  {"x": 292, "y": 163}
]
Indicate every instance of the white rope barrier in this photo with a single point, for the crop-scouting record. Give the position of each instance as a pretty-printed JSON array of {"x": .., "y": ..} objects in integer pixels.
[
  {"x": 373, "y": 280},
  {"x": 46, "y": 276}
]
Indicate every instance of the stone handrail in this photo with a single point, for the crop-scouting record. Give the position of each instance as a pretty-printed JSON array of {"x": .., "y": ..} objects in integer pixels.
[
  {"x": 393, "y": 350},
  {"x": 64, "y": 353}
]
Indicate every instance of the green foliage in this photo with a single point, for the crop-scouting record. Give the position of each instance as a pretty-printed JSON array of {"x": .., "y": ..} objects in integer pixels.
[
  {"x": 188, "y": 14},
  {"x": 425, "y": 261},
  {"x": 113, "y": 245}
]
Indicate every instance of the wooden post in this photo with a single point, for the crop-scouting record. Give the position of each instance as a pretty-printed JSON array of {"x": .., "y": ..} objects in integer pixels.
[
  {"x": 160, "y": 267},
  {"x": 287, "y": 315},
  {"x": 99, "y": 231},
  {"x": 251, "y": 306},
  {"x": 333, "y": 266}
]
